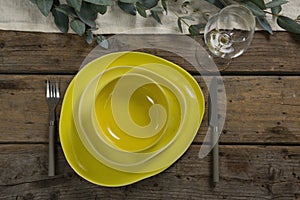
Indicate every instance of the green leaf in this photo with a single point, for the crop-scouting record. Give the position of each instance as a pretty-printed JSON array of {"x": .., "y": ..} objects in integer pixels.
[
  {"x": 129, "y": 1},
  {"x": 194, "y": 29},
  {"x": 158, "y": 9},
  {"x": 276, "y": 10},
  {"x": 141, "y": 9},
  {"x": 102, "y": 41},
  {"x": 61, "y": 21},
  {"x": 148, "y": 4},
  {"x": 154, "y": 14},
  {"x": 101, "y": 2},
  {"x": 66, "y": 9},
  {"x": 164, "y": 5},
  {"x": 265, "y": 24},
  {"x": 254, "y": 9},
  {"x": 217, "y": 3},
  {"x": 179, "y": 24},
  {"x": 99, "y": 9},
  {"x": 89, "y": 37},
  {"x": 127, "y": 7},
  {"x": 44, "y": 6},
  {"x": 188, "y": 18},
  {"x": 275, "y": 3},
  {"x": 298, "y": 18},
  {"x": 288, "y": 24},
  {"x": 78, "y": 26},
  {"x": 76, "y": 4},
  {"x": 260, "y": 3},
  {"x": 87, "y": 14}
]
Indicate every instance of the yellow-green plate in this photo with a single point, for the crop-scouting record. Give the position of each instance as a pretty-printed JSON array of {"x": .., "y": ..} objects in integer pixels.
[{"x": 91, "y": 168}]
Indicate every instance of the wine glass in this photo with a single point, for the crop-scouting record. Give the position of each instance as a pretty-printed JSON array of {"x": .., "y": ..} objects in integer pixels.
[{"x": 229, "y": 33}]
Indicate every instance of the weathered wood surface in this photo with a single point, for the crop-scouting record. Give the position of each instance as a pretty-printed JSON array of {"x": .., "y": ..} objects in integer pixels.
[
  {"x": 260, "y": 109},
  {"x": 260, "y": 144},
  {"x": 22, "y": 52},
  {"x": 247, "y": 172}
]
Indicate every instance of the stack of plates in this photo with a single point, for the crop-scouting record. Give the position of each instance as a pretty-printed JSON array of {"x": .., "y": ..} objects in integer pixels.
[{"x": 127, "y": 116}]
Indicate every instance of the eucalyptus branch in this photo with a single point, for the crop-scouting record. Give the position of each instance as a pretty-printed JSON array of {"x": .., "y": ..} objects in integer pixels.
[{"x": 80, "y": 15}]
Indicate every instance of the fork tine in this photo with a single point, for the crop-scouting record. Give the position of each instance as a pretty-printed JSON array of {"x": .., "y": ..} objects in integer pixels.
[
  {"x": 51, "y": 88},
  {"x": 57, "y": 89},
  {"x": 48, "y": 89}
]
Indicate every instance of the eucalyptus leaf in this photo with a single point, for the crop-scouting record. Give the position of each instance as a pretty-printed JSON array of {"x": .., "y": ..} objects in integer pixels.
[
  {"x": 254, "y": 9},
  {"x": 102, "y": 41},
  {"x": 76, "y": 4},
  {"x": 260, "y": 3},
  {"x": 288, "y": 24},
  {"x": 276, "y": 10},
  {"x": 148, "y": 4},
  {"x": 275, "y": 3},
  {"x": 61, "y": 21},
  {"x": 66, "y": 9},
  {"x": 188, "y": 18},
  {"x": 129, "y": 1},
  {"x": 179, "y": 24},
  {"x": 127, "y": 7},
  {"x": 141, "y": 9},
  {"x": 78, "y": 26},
  {"x": 89, "y": 37},
  {"x": 265, "y": 24},
  {"x": 87, "y": 14},
  {"x": 155, "y": 15},
  {"x": 99, "y": 9},
  {"x": 44, "y": 6},
  {"x": 158, "y": 9},
  {"x": 217, "y": 3},
  {"x": 101, "y": 2},
  {"x": 195, "y": 29},
  {"x": 164, "y": 5}
]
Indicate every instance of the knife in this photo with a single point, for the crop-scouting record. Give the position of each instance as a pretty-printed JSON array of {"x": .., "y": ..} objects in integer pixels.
[{"x": 213, "y": 123}]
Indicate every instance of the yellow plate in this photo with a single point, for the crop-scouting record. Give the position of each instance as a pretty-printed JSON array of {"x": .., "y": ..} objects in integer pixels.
[
  {"x": 92, "y": 169},
  {"x": 82, "y": 161},
  {"x": 192, "y": 106}
]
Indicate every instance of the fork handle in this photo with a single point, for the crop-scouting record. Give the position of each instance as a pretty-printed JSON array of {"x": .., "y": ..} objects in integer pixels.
[{"x": 51, "y": 167}]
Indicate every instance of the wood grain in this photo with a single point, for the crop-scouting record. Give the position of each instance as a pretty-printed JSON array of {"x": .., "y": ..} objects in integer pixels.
[
  {"x": 259, "y": 109},
  {"x": 259, "y": 147},
  {"x": 247, "y": 172},
  {"x": 24, "y": 52}
]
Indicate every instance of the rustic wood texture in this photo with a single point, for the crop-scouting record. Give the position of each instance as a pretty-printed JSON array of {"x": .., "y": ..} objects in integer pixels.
[
  {"x": 247, "y": 172},
  {"x": 22, "y": 52},
  {"x": 259, "y": 146},
  {"x": 260, "y": 109}
]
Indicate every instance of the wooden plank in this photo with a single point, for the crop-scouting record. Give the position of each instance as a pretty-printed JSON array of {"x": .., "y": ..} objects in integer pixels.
[
  {"x": 24, "y": 52},
  {"x": 247, "y": 172},
  {"x": 259, "y": 109}
]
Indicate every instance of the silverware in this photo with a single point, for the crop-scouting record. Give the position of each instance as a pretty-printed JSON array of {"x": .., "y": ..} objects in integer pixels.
[
  {"x": 52, "y": 98},
  {"x": 213, "y": 123}
]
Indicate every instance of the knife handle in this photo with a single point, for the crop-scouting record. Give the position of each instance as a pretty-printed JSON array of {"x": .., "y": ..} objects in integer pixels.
[{"x": 215, "y": 156}]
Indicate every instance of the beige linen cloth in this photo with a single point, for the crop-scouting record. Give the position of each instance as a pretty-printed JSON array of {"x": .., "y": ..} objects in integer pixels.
[{"x": 22, "y": 15}]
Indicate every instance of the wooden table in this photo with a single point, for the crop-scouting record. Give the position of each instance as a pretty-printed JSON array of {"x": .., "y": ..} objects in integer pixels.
[{"x": 259, "y": 147}]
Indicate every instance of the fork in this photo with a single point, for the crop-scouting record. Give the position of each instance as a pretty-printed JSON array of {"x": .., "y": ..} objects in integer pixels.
[{"x": 52, "y": 98}]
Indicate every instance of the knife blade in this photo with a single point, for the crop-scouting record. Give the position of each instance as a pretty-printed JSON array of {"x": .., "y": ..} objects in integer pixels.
[{"x": 213, "y": 123}]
